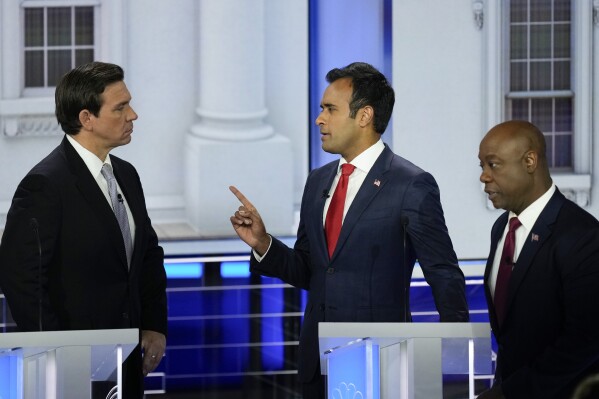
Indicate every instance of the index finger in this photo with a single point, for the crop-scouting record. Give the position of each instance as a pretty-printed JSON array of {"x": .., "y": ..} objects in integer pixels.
[{"x": 244, "y": 201}]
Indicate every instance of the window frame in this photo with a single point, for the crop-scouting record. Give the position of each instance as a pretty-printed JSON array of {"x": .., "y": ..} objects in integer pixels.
[
  {"x": 40, "y": 91},
  {"x": 576, "y": 185},
  {"x": 21, "y": 113}
]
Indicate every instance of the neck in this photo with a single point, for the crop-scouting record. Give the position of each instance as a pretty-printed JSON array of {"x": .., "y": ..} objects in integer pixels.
[{"x": 91, "y": 146}]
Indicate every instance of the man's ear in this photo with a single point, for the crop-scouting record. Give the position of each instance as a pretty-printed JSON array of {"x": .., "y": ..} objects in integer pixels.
[
  {"x": 531, "y": 159},
  {"x": 366, "y": 116},
  {"x": 85, "y": 118}
]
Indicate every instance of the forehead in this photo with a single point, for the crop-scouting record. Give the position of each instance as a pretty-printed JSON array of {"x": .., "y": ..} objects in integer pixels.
[
  {"x": 116, "y": 92},
  {"x": 339, "y": 91},
  {"x": 501, "y": 144}
]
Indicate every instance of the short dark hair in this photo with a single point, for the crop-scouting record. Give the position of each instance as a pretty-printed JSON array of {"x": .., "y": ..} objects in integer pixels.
[
  {"x": 80, "y": 89},
  {"x": 369, "y": 87}
]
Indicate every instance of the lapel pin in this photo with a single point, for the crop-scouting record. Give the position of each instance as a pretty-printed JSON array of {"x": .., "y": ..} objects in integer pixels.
[
  {"x": 377, "y": 182},
  {"x": 534, "y": 237}
]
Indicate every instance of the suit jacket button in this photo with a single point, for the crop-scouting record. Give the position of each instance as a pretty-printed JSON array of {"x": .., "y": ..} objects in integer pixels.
[
  {"x": 125, "y": 315},
  {"x": 321, "y": 307},
  {"x": 331, "y": 270}
]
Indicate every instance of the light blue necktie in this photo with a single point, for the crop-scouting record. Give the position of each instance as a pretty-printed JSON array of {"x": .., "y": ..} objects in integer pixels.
[{"x": 118, "y": 206}]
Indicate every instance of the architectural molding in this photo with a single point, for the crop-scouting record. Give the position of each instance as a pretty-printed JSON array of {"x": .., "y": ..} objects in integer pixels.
[
  {"x": 479, "y": 14},
  {"x": 30, "y": 125}
]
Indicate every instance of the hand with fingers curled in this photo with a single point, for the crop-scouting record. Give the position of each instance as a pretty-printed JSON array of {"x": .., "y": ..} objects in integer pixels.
[
  {"x": 153, "y": 345},
  {"x": 249, "y": 225}
]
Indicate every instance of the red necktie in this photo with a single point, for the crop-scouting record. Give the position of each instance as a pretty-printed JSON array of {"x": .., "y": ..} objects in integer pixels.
[
  {"x": 506, "y": 264},
  {"x": 332, "y": 224}
]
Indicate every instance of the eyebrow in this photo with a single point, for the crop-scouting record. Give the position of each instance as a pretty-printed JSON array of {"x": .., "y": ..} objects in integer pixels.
[
  {"x": 121, "y": 104},
  {"x": 327, "y": 105}
]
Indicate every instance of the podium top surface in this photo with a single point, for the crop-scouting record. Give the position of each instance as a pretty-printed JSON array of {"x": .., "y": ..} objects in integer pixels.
[
  {"x": 47, "y": 339},
  {"x": 332, "y": 335},
  {"x": 100, "y": 344}
]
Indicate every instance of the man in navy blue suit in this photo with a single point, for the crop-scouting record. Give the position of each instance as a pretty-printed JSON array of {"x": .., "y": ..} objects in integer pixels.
[
  {"x": 362, "y": 272},
  {"x": 546, "y": 322}
]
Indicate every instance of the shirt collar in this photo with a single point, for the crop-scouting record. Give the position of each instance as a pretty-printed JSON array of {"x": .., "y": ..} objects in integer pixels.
[
  {"x": 93, "y": 163},
  {"x": 529, "y": 216},
  {"x": 367, "y": 158}
]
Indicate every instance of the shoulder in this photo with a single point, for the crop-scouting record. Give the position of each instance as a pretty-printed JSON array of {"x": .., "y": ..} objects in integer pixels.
[
  {"x": 571, "y": 215},
  {"x": 53, "y": 168},
  {"x": 324, "y": 170},
  {"x": 121, "y": 166}
]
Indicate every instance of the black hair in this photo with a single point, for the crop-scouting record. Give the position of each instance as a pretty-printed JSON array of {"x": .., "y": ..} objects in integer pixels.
[
  {"x": 369, "y": 87},
  {"x": 82, "y": 88}
]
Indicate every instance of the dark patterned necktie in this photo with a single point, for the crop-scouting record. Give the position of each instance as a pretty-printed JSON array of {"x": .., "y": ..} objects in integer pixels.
[{"x": 506, "y": 265}]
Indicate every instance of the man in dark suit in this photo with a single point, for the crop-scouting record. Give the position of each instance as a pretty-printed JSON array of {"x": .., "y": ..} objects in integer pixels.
[
  {"x": 66, "y": 261},
  {"x": 545, "y": 312},
  {"x": 391, "y": 216}
]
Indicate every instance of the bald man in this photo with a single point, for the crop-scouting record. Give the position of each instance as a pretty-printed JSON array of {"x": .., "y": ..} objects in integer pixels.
[{"x": 542, "y": 274}]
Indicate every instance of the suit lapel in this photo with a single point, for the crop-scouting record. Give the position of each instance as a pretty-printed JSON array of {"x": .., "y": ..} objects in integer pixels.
[
  {"x": 539, "y": 234},
  {"x": 89, "y": 189},
  {"x": 322, "y": 190},
  {"x": 372, "y": 185}
]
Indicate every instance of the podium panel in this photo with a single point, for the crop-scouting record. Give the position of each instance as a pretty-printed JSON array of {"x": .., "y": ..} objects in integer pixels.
[
  {"x": 58, "y": 364},
  {"x": 353, "y": 371},
  {"x": 401, "y": 360}
]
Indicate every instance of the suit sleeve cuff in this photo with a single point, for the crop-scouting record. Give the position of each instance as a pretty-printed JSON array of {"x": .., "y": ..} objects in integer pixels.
[{"x": 258, "y": 257}]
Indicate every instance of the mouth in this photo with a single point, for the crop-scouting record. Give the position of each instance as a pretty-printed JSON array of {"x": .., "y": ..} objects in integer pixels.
[{"x": 491, "y": 194}]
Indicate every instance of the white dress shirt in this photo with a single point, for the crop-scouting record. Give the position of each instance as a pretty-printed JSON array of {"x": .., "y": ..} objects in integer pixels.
[
  {"x": 363, "y": 164},
  {"x": 528, "y": 218},
  {"x": 94, "y": 164}
]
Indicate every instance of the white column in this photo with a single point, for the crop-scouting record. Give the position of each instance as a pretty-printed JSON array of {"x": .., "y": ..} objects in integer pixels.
[{"x": 231, "y": 144}]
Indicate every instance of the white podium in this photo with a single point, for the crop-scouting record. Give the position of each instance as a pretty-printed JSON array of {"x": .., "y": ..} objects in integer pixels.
[
  {"x": 401, "y": 360},
  {"x": 62, "y": 364}
]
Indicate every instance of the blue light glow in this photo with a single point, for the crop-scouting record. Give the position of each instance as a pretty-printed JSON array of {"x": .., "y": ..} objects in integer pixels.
[
  {"x": 184, "y": 270},
  {"x": 235, "y": 269}
]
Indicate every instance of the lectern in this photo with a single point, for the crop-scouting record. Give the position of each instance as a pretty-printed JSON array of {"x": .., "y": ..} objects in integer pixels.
[
  {"x": 401, "y": 360},
  {"x": 62, "y": 364}
]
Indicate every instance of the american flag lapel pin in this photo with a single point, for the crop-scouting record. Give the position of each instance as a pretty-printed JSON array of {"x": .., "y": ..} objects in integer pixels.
[
  {"x": 377, "y": 182},
  {"x": 534, "y": 237}
]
